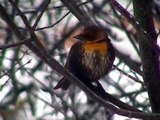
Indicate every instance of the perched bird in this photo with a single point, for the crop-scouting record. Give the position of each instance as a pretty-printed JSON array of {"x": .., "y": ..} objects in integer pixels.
[{"x": 90, "y": 58}]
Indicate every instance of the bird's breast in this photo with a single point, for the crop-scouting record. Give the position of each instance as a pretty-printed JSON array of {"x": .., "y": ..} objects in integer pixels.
[
  {"x": 101, "y": 47},
  {"x": 95, "y": 59}
]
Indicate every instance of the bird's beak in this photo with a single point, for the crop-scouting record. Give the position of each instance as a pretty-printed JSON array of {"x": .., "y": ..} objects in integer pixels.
[{"x": 79, "y": 37}]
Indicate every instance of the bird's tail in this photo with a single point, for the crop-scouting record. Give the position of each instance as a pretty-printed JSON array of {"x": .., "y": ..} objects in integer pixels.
[{"x": 63, "y": 84}]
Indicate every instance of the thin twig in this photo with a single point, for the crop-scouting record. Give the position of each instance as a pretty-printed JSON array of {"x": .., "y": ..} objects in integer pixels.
[
  {"x": 131, "y": 77},
  {"x": 46, "y": 3},
  {"x": 14, "y": 44},
  {"x": 36, "y": 46},
  {"x": 14, "y": 97},
  {"x": 46, "y": 102},
  {"x": 39, "y": 45},
  {"x": 53, "y": 23}
]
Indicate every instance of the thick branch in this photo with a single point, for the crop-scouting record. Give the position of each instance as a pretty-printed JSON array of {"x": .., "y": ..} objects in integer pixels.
[
  {"x": 150, "y": 63},
  {"x": 79, "y": 13}
]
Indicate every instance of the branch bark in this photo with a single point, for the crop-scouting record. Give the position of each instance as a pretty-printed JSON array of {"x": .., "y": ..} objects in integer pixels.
[
  {"x": 79, "y": 13},
  {"x": 150, "y": 63}
]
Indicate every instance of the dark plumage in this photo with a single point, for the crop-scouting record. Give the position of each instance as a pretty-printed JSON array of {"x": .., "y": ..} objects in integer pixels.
[{"x": 91, "y": 58}]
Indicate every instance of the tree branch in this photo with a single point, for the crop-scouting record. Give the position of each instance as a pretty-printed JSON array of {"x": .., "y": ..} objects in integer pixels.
[
  {"x": 14, "y": 44},
  {"x": 45, "y": 5},
  {"x": 79, "y": 13},
  {"x": 37, "y": 29},
  {"x": 150, "y": 58},
  {"x": 136, "y": 25}
]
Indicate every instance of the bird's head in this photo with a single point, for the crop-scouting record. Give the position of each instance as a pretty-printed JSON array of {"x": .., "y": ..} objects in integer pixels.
[{"x": 91, "y": 34}]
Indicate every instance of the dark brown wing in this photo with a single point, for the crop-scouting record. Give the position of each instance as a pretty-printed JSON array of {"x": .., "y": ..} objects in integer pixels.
[{"x": 72, "y": 65}]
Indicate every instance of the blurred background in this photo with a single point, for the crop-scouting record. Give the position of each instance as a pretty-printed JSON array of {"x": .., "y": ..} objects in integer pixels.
[{"x": 26, "y": 82}]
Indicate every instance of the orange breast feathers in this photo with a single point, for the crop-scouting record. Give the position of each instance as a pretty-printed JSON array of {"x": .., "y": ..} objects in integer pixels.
[{"x": 100, "y": 46}]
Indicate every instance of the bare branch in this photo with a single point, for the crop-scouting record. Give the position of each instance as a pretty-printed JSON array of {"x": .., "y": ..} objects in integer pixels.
[
  {"x": 131, "y": 77},
  {"x": 135, "y": 23},
  {"x": 82, "y": 15},
  {"x": 46, "y": 3},
  {"x": 14, "y": 44},
  {"x": 53, "y": 23}
]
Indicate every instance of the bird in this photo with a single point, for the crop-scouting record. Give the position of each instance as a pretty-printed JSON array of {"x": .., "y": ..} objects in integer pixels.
[{"x": 90, "y": 58}]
